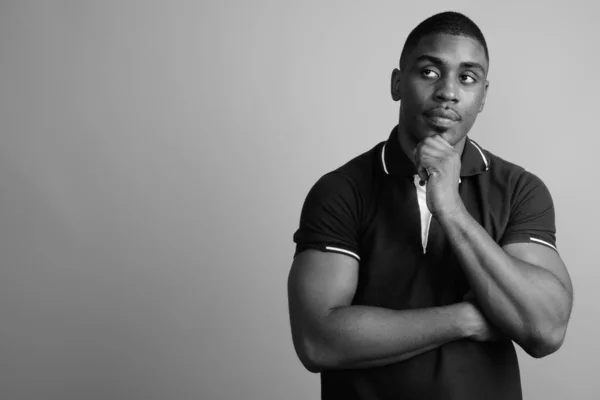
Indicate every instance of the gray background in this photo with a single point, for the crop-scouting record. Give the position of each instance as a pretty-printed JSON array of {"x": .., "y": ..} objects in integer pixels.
[{"x": 154, "y": 158}]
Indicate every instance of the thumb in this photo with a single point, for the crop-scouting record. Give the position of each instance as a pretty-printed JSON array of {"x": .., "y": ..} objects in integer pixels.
[{"x": 422, "y": 172}]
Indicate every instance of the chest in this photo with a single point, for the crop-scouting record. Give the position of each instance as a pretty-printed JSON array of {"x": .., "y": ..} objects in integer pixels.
[{"x": 407, "y": 261}]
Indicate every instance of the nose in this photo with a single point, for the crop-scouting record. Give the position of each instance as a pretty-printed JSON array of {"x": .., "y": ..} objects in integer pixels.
[{"x": 446, "y": 90}]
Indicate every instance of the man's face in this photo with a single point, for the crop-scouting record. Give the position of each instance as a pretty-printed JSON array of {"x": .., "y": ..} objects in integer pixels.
[{"x": 442, "y": 87}]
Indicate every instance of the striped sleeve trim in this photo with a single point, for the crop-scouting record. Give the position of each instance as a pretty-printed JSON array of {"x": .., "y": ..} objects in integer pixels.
[
  {"x": 540, "y": 241},
  {"x": 342, "y": 251}
]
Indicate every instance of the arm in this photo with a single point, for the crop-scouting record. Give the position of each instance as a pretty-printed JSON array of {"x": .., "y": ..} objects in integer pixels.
[
  {"x": 523, "y": 288},
  {"x": 328, "y": 332}
]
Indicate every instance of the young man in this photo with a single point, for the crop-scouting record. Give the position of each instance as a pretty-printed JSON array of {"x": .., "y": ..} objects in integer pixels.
[{"x": 421, "y": 261}]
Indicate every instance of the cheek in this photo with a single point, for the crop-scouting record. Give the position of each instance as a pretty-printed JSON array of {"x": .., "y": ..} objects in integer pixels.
[
  {"x": 477, "y": 100},
  {"x": 414, "y": 107},
  {"x": 471, "y": 114},
  {"x": 473, "y": 105},
  {"x": 417, "y": 92}
]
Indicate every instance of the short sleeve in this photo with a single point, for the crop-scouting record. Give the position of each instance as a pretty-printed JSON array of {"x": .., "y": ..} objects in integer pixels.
[
  {"x": 532, "y": 214},
  {"x": 329, "y": 217}
]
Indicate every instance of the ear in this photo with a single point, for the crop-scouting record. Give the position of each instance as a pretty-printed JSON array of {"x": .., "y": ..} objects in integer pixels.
[
  {"x": 395, "y": 85},
  {"x": 487, "y": 84}
]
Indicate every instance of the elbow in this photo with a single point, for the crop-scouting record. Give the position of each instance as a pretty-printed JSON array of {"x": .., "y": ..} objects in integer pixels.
[
  {"x": 315, "y": 356},
  {"x": 543, "y": 342},
  {"x": 310, "y": 362}
]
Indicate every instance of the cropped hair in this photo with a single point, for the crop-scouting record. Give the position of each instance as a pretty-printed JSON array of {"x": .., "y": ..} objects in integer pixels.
[{"x": 449, "y": 23}]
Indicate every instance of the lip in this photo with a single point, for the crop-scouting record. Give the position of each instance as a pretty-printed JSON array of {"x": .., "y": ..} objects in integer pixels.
[
  {"x": 441, "y": 121},
  {"x": 442, "y": 117}
]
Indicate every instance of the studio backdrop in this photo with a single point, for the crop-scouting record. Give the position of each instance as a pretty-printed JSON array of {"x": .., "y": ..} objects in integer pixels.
[{"x": 154, "y": 157}]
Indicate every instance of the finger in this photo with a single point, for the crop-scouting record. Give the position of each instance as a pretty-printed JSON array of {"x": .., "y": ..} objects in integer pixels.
[
  {"x": 427, "y": 156},
  {"x": 436, "y": 142},
  {"x": 427, "y": 161},
  {"x": 440, "y": 139},
  {"x": 422, "y": 172},
  {"x": 416, "y": 159},
  {"x": 431, "y": 153},
  {"x": 424, "y": 164},
  {"x": 430, "y": 147}
]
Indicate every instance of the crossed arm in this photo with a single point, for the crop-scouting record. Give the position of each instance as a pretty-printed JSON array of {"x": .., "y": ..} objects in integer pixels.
[
  {"x": 330, "y": 333},
  {"x": 524, "y": 289}
]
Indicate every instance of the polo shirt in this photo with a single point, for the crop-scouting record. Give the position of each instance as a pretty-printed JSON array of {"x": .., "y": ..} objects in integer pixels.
[{"x": 373, "y": 209}]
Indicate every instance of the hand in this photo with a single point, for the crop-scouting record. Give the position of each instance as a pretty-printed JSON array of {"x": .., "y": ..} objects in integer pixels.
[
  {"x": 481, "y": 330},
  {"x": 439, "y": 165}
]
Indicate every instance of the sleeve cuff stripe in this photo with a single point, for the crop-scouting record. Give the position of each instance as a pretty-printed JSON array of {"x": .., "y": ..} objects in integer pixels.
[
  {"x": 343, "y": 251},
  {"x": 542, "y": 242}
]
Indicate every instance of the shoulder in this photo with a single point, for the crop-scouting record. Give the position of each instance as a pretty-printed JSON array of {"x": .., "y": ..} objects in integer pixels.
[
  {"x": 530, "y": 214},
  {"x": 353, "y": 179},
  {"x": 521, "y": 183},
  {"x": 509, "y": 172},
  {"x": 333, "y": 209}
]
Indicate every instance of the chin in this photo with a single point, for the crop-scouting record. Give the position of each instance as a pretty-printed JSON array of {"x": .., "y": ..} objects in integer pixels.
[
  {"x": 424, "y": 130},
  {"x": 430, "y": 131}
]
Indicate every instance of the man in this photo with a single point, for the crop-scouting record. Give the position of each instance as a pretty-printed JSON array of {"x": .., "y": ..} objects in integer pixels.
[{"x": 421, "y": 261}]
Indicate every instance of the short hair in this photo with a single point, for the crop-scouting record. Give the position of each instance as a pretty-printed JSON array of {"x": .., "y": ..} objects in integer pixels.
[{"x": 449, "y": 23}]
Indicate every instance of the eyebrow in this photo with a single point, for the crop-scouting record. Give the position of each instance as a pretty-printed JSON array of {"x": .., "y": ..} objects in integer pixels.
[{"x": 439, "y": 61}]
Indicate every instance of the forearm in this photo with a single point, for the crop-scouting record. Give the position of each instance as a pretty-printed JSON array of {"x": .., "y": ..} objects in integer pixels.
[
  {"x": 524, "y": 301},
  {"x": 363, "y": 336}
]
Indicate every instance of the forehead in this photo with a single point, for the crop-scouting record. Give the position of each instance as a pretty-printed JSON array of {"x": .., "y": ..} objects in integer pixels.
[{"x": 451, "y": 48}]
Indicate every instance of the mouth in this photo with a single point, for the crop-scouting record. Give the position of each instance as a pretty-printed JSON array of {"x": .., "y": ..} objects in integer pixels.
[
  {"x": 441, "y": 121},
  {"x": 441, "y": 117}
]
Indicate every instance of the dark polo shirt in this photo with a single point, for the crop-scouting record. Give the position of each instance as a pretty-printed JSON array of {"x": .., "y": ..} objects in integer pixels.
[{"x": 369, "y": 209}]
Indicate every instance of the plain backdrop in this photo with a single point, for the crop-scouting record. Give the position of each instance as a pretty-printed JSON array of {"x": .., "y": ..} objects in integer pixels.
[{"x": 155, "y": 155}]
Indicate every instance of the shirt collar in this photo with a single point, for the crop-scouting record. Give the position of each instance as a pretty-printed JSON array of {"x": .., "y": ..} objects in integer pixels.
[{"x": 395, "y": 162}]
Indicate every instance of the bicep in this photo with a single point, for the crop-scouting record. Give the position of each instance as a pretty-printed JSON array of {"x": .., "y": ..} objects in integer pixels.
[
  {"x": 318, "y": 282},
  {"x": 543, "y": 257}
]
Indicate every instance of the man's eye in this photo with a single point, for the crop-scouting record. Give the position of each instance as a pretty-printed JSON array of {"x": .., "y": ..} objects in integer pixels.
[
  {"x": 429, "y": 73},
  {"x": 467, "y": 79}
]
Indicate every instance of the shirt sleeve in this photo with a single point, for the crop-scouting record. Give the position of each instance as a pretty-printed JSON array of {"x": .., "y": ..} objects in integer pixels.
[
  {"x": 329, "y": 218},
  {"x": 532, "y": 214}
]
